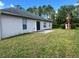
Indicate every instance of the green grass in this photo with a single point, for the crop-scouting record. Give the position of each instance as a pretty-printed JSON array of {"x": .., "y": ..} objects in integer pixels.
[{"x": 59, "y": 43}]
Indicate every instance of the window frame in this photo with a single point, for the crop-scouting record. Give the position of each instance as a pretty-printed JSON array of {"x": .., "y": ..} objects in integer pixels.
[{"x": 24, "y": 23}]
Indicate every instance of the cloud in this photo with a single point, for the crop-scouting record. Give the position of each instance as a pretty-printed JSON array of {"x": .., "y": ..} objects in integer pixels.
[
  {"x": 76, "y": 4},
  {"x": 1, "y": 4},
  {"x": 11, "y": 5}
]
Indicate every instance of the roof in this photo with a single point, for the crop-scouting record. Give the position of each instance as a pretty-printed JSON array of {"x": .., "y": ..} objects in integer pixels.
[{"x": 21, "y": 13}]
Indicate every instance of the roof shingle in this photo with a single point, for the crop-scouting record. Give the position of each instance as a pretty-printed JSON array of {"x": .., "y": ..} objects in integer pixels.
[{"x": 21, "y": 13}]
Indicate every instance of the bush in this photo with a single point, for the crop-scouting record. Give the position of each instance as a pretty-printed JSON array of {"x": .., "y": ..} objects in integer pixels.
[
  {"x": 77, "y": 24},
  {"x": 62, "y": 26},
  {"x": 73, "y": 26},
  {"x": 56, "y": 26}
]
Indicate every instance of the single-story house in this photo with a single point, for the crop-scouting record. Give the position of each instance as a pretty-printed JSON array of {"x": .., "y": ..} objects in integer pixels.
[{"x": 14, "y": 21}]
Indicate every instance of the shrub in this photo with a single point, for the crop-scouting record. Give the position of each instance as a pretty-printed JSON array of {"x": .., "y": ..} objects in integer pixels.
[
  {"x": 73, "y": 26},
  {"x": 56, "y": 26},
  {"x": 77, "y": 24},
  {"x": 62, "y": 26}
]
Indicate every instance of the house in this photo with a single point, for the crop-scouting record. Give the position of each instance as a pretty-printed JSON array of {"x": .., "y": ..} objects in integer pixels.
[{"x": 14, "y": 21}]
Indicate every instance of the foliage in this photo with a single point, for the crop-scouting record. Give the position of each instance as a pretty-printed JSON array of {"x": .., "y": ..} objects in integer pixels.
[
  {"x": 62, "y": 14},
  {"x": 46, "y": 11},
  {"x": 19, "y": 7},
  {"x": 56, "y": 25}
]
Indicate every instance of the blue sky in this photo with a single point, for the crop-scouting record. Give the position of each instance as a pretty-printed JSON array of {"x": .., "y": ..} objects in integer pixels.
[{"x": 30, "y": 3}]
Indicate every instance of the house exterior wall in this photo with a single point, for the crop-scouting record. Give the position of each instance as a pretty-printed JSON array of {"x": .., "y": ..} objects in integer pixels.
[
  {"x": 48, "y": 25},
  {"x": 31, "y": 25},
  {"x": 13, "y": 26}
]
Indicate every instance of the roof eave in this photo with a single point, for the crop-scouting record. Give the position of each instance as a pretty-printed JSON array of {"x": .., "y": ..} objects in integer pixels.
[{"x": 12, "y": 14}]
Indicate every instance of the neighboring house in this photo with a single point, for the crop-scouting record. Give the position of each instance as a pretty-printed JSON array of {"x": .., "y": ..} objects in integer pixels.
[{"x": 15, "y": 21}]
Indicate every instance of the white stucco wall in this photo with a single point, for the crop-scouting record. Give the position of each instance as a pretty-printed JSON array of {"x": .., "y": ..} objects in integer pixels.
[
  {"x": 47, "y": 25},
  {"x": 31, "y": 25},
  {"x": 13, "y": 26}
]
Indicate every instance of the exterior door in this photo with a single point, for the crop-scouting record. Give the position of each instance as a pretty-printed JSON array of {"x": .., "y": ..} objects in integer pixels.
[{"x": 38, "y": 25}]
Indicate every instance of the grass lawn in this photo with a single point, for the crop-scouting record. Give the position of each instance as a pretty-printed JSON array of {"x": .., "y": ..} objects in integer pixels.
[{"x": 59, "y": 43}]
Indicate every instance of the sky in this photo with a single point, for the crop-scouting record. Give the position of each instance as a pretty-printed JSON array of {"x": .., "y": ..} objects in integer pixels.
[{"x": 31, "y": 3}]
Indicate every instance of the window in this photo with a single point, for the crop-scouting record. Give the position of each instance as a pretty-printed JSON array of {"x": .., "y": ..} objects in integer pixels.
[
  {"x": 24, "y": 26},
  {"x": 24, "y": 23},
  {"x": 44, "y": 24}
]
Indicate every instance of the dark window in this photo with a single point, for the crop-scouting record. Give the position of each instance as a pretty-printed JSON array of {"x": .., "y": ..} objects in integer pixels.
[
  {"x": 24, "y": 23},
  {"x": 24, "y": 26}
]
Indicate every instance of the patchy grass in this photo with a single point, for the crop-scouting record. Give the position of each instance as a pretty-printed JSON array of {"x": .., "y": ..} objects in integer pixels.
[{"x": 59, "y": 43}]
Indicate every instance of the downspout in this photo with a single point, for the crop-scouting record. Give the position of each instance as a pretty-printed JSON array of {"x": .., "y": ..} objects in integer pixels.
[{"x": 0, "y": 27}]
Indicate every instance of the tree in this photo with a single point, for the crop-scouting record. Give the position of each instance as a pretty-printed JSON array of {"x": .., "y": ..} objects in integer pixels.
[
  {"x": 76, "y": 14},
  {"x": 35, "y": 10},
  {"x": 19, "y": 7},
  {"x": 30, "y": 10},
  {"x": 40, "y": 11},
  {"x": 44, "y": 11},
  {"x": 48, "y": 11},
  {"x": 68, "y": 22},
  {"x": 62, "y": 13},
  {"x": 77, "y": 8},
  {"x": 51, "y": 12}
]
